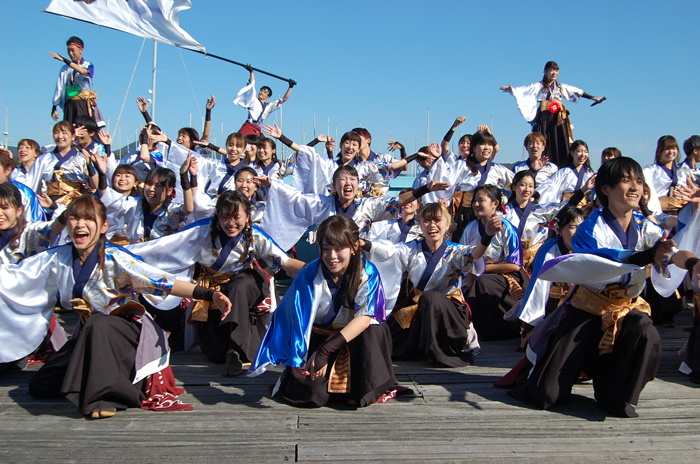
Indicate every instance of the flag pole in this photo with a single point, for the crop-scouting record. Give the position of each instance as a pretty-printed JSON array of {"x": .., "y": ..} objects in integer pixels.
[{"x": 153, "y": 88}]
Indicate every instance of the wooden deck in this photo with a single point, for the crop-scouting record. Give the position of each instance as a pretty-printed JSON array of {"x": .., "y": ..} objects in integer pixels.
[{"x": 455, "y": 415}]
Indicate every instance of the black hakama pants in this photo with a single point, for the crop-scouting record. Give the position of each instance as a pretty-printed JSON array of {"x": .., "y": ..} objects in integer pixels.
[
  {"x": 371, "y": 372},
  {"x": 662, "y": 309},
  {"x": 96, "y": 369},
  {"x": 618, "y": 376},
  {"x": 74, "y": 108},
  {"x": 239, "y": 331},
  {"x": 693, "y": 360},
  {"x": 557, "y": 147},
  {"x": 439, "y": 330},
  {"x": 489, "y": 299}
]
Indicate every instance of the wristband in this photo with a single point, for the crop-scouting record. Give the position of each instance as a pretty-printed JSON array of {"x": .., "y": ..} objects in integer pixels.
[
  {"x": 90, "y": 169},
  {"x": 185, "y": 181},
  {"x": 53, "y": 108},
  {"x": 486, "y": 240},
  {"x": 367, "y": 246},
  {"x": 402, "y": 150},
  {"x": 643, "y": 258},
  {"x": 286, "y": 141},
  {"x": 203, "y": 293},
  {"x": 413, "y": 157},
  {"x": 108, "y": 150},
  {"x": 213, "y": 147},
  {"x": 327, "y": 348},
  {"x": 420, "y": 191},
  {"x": 66, "y": 60},
  {"x": 449, "y": 135},
  {"x": 102, "y": 181},
  {"x": 207, "y": 115},
  {"x": 62, "y": 218},
  {"x": 146, "y": 116},
  {"x": 193, "y": 181},
  {"x": 313, "y": 143},
  {"x": 690, "y": 263}
]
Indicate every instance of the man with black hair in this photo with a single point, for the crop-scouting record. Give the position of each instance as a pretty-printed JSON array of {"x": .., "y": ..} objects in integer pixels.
[
  {"x": 259, "y": 107},
  {"x": 74, "y": 93},
  {"x": 604, "y": 328}
]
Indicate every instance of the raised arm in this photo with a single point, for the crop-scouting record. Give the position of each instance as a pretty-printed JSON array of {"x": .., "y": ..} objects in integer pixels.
[
  {"x": 143, "y": 108},
  {"x": 445, "y": 145},
  {"x": 188, "y": 180},
  {"x": 432, "y": 186},
  {"x": 292, "y": 83},
  {"x": 276, "y": 132},
  {"x": 211, "y": 101},
  {"x": 69, "y": 63}
]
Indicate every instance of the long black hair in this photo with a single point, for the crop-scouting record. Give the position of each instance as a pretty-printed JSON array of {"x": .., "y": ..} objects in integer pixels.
[
  {"x": 163, "y": 177},
  {"x": 341, "y": 231},
  {"x": 479, "y": 138},
  {"x": 569, "y": 162},
  {"x": 11, "y": 196},
  {"x": 516, "y": 180},
  {"x": 228, "y": 204}
]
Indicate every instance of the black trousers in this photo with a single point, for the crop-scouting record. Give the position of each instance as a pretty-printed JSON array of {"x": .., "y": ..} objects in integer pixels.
[
  {"x": 371, "y": 372},
  {"x": 239, "y": 330},
  {"x": 94, "y": 370},
  {"x": 618, "y": 377},
  {"x": 439, "y": 331},
  {"x": 489, "y": 299}
]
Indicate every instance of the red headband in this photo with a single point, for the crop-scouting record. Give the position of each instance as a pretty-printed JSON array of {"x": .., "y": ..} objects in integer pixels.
[{"x": 73, "y": 43}]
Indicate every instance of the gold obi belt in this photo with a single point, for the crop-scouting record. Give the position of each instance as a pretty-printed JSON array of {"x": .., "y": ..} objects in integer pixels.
[
  {"x": 562, "y": 116},
  {"x": 339, "y": 379},
  {"x": 208, "y": 278},
  {"x": 63, "y": 191},
  {"x": 461, "y": 200},
  {"x": 612, "y": 307},
  {"x": 405, "y": 316},
  {"x": 670, "y": 204},
  {"x": 581, "y": 204},
  {"x": 88, "y": 96},
  {"x": 119, "y": 240},
  {"x": 529, "y": 253},
  {"x": 85, "y": 311}
]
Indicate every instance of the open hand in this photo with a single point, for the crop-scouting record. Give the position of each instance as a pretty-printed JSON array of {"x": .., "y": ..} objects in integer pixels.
[
  {"x": 104, "y": 136},
  {"x": 436, "y": 186},
  {"x": 142, "y": 104},
  {"x": 394, "y": 145},
  {"x": 275, "y": 132},
  {"x": 222, "y": 302}
]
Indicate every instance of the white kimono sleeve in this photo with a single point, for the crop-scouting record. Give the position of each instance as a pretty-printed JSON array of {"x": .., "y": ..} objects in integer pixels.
[
  {"x": 313, "y": 173},
  {"x": 28, "y": 293},
  {"x": 289, "y": 213},
  {"x": 392, "y": 261},
  {"x": 526, "y": 99}
]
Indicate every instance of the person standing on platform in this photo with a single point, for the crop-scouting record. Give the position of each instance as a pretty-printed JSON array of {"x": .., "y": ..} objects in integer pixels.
[
  {"x": 541, "y": 105},
  {"x": 74, "y": 94},
  {"x": 259, "y": 108}
]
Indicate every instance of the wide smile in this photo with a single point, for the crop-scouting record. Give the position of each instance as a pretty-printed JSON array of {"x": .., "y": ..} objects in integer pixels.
[{"x": 80, "y": 237}]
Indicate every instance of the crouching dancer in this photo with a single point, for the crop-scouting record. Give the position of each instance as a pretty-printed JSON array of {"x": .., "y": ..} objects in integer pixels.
[
  {"x": 329, "y": 328},
  {"x": 119, "y": 358},
  {"x": 603, "y": 329}
]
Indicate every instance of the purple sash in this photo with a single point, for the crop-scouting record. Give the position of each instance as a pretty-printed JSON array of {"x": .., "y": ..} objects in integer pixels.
[
  {"x": 405, "y": 228},
  {"x": 335, "y": 298},
  {"x": 5, "y": 238},
  {"x": 522, "y": 215},
  {"x": 149, "y": 218},
  {"x": 432, "y": 260},
  {"x": 82, "y": 272},
  {"x": 671, "y": 173},
  {"x": 228, "y": 244},
  {"x": 350, "y": 210}
]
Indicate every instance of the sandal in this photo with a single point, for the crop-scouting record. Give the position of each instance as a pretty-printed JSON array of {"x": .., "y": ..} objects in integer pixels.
[{"x": 103, "y": 413}]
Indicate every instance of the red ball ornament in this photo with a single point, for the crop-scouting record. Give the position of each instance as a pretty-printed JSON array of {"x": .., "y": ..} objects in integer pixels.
[{"x": 554, "y": 107}]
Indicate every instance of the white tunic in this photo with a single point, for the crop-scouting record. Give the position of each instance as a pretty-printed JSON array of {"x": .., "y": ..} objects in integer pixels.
[
  {"x": 541, "y": 175},
  {"x": 562, "y": 181}
]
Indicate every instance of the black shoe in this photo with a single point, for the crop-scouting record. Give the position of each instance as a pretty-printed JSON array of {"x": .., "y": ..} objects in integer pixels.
[{"x": 233, "y": 366}]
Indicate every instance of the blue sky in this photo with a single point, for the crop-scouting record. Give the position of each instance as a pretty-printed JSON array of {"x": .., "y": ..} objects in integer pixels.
[{"x": 382, "y": 65}]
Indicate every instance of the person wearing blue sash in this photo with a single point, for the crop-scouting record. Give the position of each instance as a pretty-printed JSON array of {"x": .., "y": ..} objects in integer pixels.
[
  {"x": 604, "y": 328},
  {"x": 575, "y": 178},
  {"x": 329, "y": 329},
  {"x": 434, "y": 320},
  {"x": 493, "y": 293},
  {"x": 536, "y": 162},
  {"x": 32, "y": 203}
]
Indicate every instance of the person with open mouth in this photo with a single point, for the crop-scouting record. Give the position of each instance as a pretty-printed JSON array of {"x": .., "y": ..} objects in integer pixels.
[
  {"x": 434, "y": 320},
  {"x": 110, "y": 363},
  {"x": 664, "y": 176},
  {"x": 494, "y": 292},
  {"x": 536, "y": 161}
]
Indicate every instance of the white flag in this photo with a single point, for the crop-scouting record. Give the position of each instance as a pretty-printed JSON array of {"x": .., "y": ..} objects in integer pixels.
[{"x": 152, "y": 19}]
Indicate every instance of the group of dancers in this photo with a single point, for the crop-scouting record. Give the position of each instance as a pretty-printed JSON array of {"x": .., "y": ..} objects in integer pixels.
[{"x": 168, "y": 247}]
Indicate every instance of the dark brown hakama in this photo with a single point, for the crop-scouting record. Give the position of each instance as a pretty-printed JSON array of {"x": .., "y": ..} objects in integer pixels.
[
  {"x": 371, "y": 372},
  {"x": 557, "y": 148},
  {"x": 94, "y": 370},
  {"x": 618, "y": 377},
  {"x": 239, "y": 331},
  {"x": 489, "y": 299},
  {"x": 439, "y": 331}
]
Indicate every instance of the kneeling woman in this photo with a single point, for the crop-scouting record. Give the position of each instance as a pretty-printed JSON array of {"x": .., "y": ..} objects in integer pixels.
[
  {"x": 103, "y": 368},
  {"x": 328, "y": 329},
  {"x": 494, "y": 293},
  {"x": 434, "y": 320}
]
